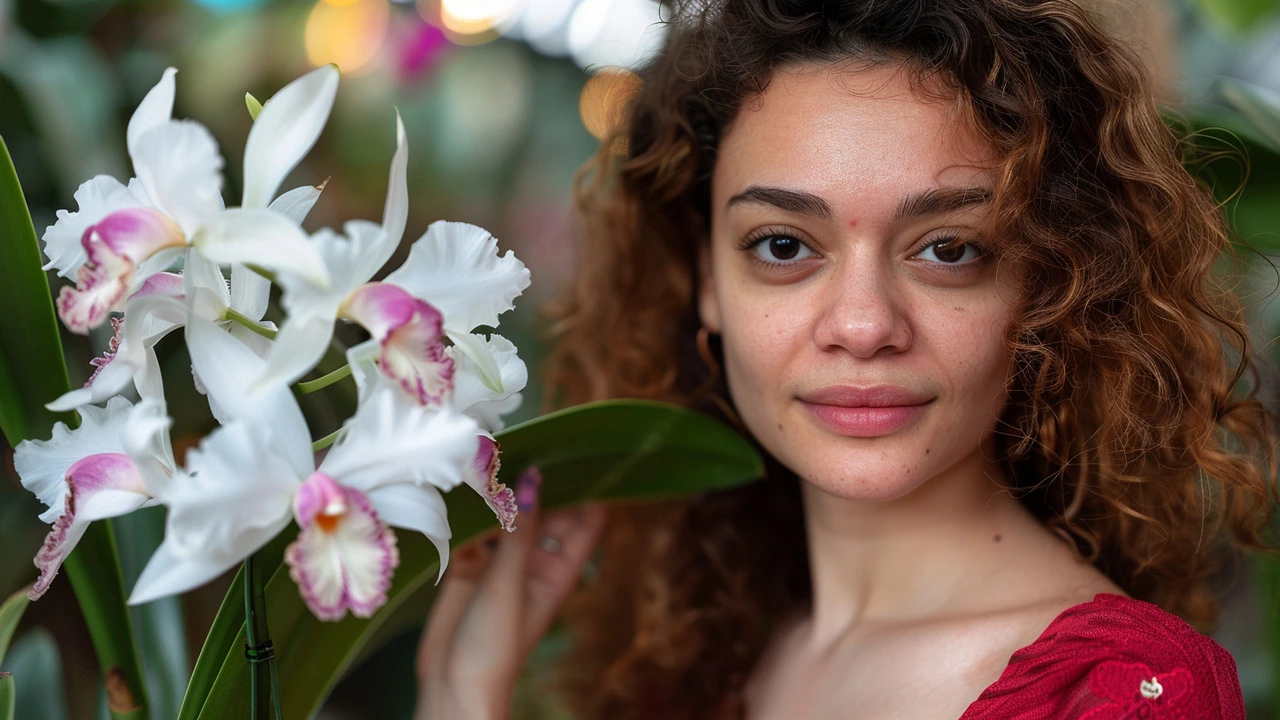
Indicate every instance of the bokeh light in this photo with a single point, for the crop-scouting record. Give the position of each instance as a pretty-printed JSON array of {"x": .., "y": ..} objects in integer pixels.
[
  {"x": 471, "y": 21},
  {"x": 545, "y": 24},
  {"x": 603, "y": 102},
  {"x": 222, "y": 6},
  {"x": 615, "y": 33},
  {"x": 348, "y": 34}
]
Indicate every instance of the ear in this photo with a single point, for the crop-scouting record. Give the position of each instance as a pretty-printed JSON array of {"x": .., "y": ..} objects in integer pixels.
[{"x": 708, "y": 303}]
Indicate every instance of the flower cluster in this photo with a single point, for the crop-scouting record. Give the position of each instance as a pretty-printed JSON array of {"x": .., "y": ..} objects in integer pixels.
[{"x": 163, "y": 253}]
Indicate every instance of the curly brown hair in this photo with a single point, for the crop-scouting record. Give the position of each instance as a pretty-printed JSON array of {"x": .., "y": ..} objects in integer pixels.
[{"x": 1131, "y": 428}]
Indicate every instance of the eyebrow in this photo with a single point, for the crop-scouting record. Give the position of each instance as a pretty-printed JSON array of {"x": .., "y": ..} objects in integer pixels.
[{"x": 915, "y": 205}]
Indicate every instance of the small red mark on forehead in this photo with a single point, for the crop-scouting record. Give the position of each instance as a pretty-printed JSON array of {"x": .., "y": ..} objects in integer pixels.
[{"x": 853, "y": 223}]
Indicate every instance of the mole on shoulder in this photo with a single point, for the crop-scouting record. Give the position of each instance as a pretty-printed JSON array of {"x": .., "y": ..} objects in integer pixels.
[{"x": 997, "y": 538}]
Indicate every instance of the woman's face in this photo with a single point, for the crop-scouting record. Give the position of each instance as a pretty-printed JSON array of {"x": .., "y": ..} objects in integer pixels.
[{"x": 862, "y": 320}]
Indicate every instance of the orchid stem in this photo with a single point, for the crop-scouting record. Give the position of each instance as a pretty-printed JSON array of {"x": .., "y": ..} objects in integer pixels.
[
  {"x": 244, "y": 321},
  {"x": 323, "y": 381},
  {"x": 325, "y": 441},
  {"x": 263, "y": 686}
]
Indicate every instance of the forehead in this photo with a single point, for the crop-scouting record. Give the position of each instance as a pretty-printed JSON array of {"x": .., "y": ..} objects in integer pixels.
[{"x": 852, "y": 136}]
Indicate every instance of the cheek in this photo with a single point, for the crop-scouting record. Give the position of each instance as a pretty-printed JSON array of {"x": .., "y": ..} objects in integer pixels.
[
  {"x": 972, "y": 355},
  {"x": 761, "y": 337}
]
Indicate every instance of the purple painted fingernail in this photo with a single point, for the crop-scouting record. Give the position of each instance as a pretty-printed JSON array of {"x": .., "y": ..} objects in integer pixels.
[{"x": 527, "y": 489}]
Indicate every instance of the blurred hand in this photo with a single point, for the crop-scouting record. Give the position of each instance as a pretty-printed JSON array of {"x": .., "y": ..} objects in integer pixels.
[{"x": 498, "y": 598}]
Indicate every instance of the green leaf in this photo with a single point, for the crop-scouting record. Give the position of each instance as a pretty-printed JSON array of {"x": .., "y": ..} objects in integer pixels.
[
  {"x": 1259, "y": 105},
  {"x": 29, "y": 339},
  {"x": 615, "y": 450},
  {"x": 224, "y": 644},
  {"x": 10, "y": 613},
  {"x": 1238, "y": 16},
  {"x": 8, "y": 701},
  {"x": 32, "y": 348},
  {"x": 37, "y": 676}
]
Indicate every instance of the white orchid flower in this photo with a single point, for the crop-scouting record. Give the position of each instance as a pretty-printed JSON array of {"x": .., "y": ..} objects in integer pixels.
[
  {"x": 120, "y": 236},
  {"x": 156, "y": 308},
  {"x": 453, "y": 281},
  {"x": 114, "y": 463},
  {"x": 251, "y": 476}
]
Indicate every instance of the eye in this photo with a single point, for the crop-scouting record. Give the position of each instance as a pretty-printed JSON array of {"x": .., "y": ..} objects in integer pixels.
[
  {"x": 951, "y": 251},
  {"x": 780, "y": 249}
]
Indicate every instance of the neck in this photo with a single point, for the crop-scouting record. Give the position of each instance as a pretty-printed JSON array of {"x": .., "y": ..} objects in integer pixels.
[{"x": 907, "y": 558}]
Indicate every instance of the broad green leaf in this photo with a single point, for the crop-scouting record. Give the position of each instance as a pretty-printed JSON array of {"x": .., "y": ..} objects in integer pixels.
[
  {"x": 10, "y": 613},
  {"x": 37, "y": 676},
  {"x": 33, "y": 352},
  {"x": 162, "y": 637},
  {"x": 29, "y": 337},
  {"x": 7, "y": 699},
  {"x": 615, "y": 450}
]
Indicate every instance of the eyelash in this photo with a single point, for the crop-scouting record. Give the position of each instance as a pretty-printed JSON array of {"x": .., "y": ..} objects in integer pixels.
[{"x": 760, "y": 236}]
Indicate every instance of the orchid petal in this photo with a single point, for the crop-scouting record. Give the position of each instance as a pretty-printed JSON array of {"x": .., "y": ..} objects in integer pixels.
[
  {"x": 205, "y": 287},
  {"x": 95, "y": 199},
  {"x": 393, "y": 439},
  {"x": 410, "y": 333},
  {"x": 262, "y": 238},
  {"x": 285, "y": 130},
  {"x": 363, "y": 359},
  {"x": 299, "y": 346},
  {"x": 42, "y": 464},
  {"x": 250, "y": 291},
  {"x": 235, "y": 497},
  {"x": 395, "y": 213},
  {"x": 483, "y": 478},
  {"x": 416, "y": 507},
  {"x": 99, "y": 486},
  {"x": 179, "y": 166},
  {"x": 345, "y": 554},
  {"x": 155, "y": 109},
  {"x": 456, "y": 267},
  {"x": 147, "y": 319},
  {"x": 224, "y": 365},
  {"x": 481, "y": 358},
  {"x": 297, "y": 203},
  {"x": 145, "y": 438},
  {"x": 476, "y": 398},
  {"x": 166, "y": 284}
]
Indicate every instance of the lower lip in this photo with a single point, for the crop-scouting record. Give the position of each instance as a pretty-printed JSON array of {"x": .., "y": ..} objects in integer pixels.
[{"x": 864, "y": 421}]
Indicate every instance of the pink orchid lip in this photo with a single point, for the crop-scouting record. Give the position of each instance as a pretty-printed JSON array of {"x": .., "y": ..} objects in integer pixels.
[
  {"x": 334, "y": 517},
  {"x": 115, "y": 247},
  {"x": 85, "y": 477},
  {"x": 500, "y": 498},
  {"x": 411, "y": 334}
]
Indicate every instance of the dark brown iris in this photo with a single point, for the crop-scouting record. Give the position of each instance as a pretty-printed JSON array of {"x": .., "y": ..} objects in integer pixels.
[
  {"x": 949, "y": 252},
  {"x": 784, "y": 248}
]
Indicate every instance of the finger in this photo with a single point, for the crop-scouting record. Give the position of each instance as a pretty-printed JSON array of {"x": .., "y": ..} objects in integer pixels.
[
  {"x": 504, "y": 584},
  {"x": 552, "y": 576},
  {"x": 467, "y": 566}
]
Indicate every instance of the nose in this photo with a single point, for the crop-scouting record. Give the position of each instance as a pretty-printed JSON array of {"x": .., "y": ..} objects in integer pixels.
[{"x": 863, "y": 312}]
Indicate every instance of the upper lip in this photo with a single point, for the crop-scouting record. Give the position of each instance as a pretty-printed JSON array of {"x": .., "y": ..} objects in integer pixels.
[{"x": 865, "y": 396}]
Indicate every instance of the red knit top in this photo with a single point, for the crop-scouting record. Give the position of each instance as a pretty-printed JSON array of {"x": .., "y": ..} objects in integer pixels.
[{"x": 1113, "y": 658}]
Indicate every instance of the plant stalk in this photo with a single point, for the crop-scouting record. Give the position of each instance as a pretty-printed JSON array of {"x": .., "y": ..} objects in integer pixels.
[
  {"x": 324, "y": 381},
  {"x": 244, "y": 321},
  {"x": 263, "y": 688}
]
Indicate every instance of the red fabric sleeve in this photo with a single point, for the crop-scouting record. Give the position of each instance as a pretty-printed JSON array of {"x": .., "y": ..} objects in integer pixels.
[{"x": 1115, "y": 658}]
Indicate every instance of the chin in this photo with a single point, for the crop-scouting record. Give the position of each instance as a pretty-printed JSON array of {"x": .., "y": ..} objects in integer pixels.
[{"x": 864, "y": 475}]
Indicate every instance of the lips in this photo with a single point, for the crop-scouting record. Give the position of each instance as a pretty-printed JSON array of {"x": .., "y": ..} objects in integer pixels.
[{"x": 870, "y": 411}]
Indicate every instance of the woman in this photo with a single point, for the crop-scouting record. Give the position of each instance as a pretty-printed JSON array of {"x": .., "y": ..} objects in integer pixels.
[{"x": 958, "y": 281}]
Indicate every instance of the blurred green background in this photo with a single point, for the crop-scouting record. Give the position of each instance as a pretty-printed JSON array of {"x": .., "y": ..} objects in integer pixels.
[{"x": 502, "y": 100}]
